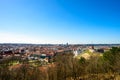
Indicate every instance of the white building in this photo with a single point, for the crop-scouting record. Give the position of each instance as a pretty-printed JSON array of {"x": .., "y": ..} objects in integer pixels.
[{"x": 77, "y": 52}]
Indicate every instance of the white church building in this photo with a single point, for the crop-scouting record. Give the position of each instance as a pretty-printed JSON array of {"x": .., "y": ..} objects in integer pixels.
[{"x": 77, "y": 52}]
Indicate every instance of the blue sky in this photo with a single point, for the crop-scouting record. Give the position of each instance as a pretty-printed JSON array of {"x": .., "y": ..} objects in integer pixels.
[{"x": 60, "y": 21}]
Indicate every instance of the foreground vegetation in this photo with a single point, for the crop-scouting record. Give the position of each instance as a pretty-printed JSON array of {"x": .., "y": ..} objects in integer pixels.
[{"x": 65, "y": 67}]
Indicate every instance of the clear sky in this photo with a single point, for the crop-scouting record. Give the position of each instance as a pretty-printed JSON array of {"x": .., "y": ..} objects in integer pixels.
[{"x": 60, "y": 21}]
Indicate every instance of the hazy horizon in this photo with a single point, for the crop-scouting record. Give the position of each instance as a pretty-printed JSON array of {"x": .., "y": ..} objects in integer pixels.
[{"x": 60, "y": 21}]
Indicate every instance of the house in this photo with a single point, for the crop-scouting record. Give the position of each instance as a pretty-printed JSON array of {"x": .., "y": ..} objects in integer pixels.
[{"x": 77, "y": 52}]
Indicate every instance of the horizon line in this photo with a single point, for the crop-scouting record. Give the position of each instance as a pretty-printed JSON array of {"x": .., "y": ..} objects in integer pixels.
[{"x": 62, "y": 43}]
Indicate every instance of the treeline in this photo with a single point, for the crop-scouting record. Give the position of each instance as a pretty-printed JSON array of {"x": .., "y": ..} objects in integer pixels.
[{"x": 65, "y": 67}]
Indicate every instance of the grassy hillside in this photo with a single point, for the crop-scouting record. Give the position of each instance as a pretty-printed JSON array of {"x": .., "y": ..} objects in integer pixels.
[{"x": 87, "y": 54}]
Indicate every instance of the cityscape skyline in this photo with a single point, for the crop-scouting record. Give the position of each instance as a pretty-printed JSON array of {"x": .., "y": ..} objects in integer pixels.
[{"x": 60, "y": 21}]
